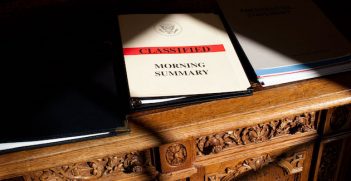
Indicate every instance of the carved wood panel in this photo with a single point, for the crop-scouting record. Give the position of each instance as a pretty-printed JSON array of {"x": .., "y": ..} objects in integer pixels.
[
  {"x": 338, "y": 119},
  {"x": 329, "y": 160},
  {"x": 133, "y": 162},
  {"x": 271, "y": 172},
  {"x": 255, "y": 168},
  {"x": 293, "y": 164},
  {"x": 247, "y": 165},
  {"x": 345, "y": 165},
  {"x": 230, "y": 173},
  {"x": 282, "y": 163},
  {"x": 215, "y": 143}
]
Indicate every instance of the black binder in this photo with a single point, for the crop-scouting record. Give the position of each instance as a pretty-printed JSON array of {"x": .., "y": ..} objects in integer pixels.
[{"x": 59, "y": 80}]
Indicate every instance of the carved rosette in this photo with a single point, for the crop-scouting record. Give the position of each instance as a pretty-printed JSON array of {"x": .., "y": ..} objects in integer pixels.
[
  {"x": 293, "y": 164},
  {"x": 255, "y": 134},
  {"x": 339, "y": 117},
  {"x": 176, "y": 154},
  {"x": 133, "y": 162}
]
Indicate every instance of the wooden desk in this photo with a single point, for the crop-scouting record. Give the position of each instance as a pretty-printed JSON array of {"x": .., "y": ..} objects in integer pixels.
[
  {"x": 291, "y": 132},
  {"x": 296, "y": 131}
]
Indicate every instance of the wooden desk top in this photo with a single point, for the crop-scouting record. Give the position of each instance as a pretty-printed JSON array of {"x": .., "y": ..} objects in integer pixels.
[{"x": 154, "y": 128}]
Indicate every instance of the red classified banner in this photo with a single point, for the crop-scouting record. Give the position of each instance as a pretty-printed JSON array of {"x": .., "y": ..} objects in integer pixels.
[{"x": 173, "y": 50}]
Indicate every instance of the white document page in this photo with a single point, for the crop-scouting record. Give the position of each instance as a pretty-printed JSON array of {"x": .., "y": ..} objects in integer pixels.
[
  {"x": 178, "y": 55},
  {"x": 13, "y": 145}
]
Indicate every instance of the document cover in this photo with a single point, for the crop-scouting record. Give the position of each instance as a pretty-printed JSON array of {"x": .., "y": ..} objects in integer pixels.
[{"x": 176, "y": 56}]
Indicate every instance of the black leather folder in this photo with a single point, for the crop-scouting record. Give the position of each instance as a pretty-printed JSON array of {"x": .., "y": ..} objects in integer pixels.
[{"x": 58, "y": 80}]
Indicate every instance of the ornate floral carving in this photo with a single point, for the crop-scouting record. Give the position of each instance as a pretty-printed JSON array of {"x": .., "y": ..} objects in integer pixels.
[
  {"x": 132, "y": 162},
  {"x": 339, "y": 117},
  {"x": 255, "y": 134},
  {"x": 329, "y": 161},
  {"x": 176, "y": 154},
  {"x": 245, "y": 166},
  {"x": 293, "y": 164},
  {"x": 126, "y": 163},
  {"x": 48, "y": 174}
]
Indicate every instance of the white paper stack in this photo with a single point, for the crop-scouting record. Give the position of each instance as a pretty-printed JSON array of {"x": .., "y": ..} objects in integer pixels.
[{"x": 287, "y": 41}]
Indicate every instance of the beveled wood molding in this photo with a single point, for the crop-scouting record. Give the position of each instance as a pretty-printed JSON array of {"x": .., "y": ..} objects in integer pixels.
[
  {"x": 133, "y": 162},
  {"x": 215, "y": 143},
  {"x": 293, "y": 164},
  {"x": 230, "y": 173}
]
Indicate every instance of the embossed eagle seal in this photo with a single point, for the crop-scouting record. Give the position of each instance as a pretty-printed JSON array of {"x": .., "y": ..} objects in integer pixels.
[{"x": 168, "y": 28}]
